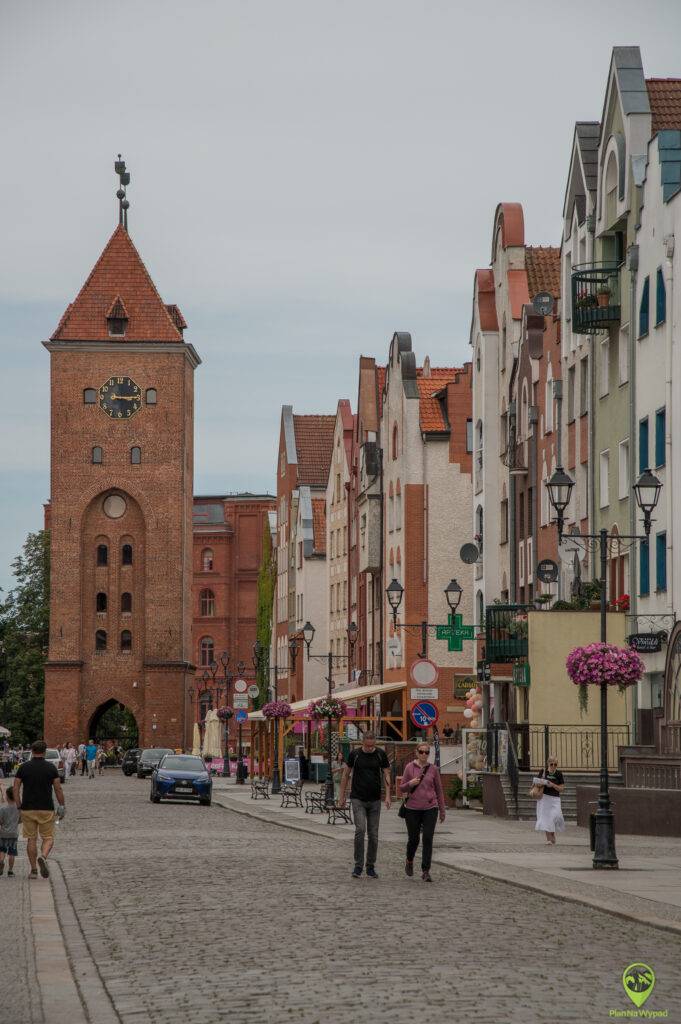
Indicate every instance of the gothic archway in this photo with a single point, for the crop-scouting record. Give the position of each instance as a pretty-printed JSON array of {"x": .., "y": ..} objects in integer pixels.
[{"x": 115, "y": 723}]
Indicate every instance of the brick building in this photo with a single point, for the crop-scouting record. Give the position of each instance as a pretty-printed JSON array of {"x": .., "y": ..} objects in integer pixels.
[
  {"x": 122, "y": 411},
  {"x": 337, "y": 539}
]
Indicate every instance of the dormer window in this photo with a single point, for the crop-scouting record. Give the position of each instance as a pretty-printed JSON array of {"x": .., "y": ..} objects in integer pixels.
[{"x": 117, "y": 319}]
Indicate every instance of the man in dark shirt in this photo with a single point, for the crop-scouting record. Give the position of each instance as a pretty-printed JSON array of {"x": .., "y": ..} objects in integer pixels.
[
  {"x": 366, "y": 764},
  {"x": 33, "y": 787}
]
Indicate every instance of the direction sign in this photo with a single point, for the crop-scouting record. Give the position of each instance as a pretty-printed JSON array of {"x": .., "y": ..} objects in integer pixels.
[
  {"x": 423, "y": 714},
  {"x": 241, "y": 716},
  {"x": 423, "y": 672},
  {"x": 253, "y": 690},
  {"x": 240, "y": 685},
  {"x": 240, "y": 700}
]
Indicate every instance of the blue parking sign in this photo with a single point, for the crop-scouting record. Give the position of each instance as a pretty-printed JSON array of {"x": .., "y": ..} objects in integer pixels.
[{"x": 423, "y": 714}]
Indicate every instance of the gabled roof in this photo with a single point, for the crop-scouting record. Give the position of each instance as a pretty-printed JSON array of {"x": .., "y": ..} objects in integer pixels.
[
  {"x": 431, "y": 416},
  {"x": 314, "y": 448},
  {"x": 119, "y": 274},
  {"x": 542, "y": 263},
  {"x": 665, "y": 103},
  {"x": 588, "y": 134},
  {"x": 487, "y": 306}
]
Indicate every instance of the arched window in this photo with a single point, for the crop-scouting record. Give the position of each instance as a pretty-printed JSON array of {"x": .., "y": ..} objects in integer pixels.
[
  {"x": 101, "y": 602},
  {"x": 207, "y": 559},
  {"x": 100, "y": 640},
  {"x": 126, "y": 602},
  {"x": 126, "y": 554},
  {"x": 207, "y": 603},
  {"x": 479, "y": 527},
  {"x": 102, "y": 554},
  {"x": 135, "y": 456},
  {"x": 398, "y": 506},
  {"x": 394, "y": 452},
  {"x": 151, "y": 396},
  {"x": 126, "y": 640},
  {"x": 391, "y": 508},
  {"x": 206, "y": 650},
  {"x": 90, "y": 396},
  {"x": 97, "y": 455}
]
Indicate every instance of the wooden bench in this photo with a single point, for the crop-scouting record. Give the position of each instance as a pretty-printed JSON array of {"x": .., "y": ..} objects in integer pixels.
[
  {"x": 260, "y": 788},
  {"x": 292, "y": 792},
  {"x": 315, "y": 801},
  {"x": 337, "y": 813}
]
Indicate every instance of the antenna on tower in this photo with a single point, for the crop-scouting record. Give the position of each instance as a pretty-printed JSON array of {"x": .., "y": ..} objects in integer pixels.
[{"x": 123, "y": 204}]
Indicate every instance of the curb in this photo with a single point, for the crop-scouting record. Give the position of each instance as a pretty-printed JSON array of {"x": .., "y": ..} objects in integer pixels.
[
  {"x": 546, "y": 888},
  {"x": 59, "y": 993}
]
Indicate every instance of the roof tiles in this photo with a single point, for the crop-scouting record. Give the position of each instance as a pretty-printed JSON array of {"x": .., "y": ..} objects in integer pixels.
[
  {"x": 314, "y": 448},
  {"x": 542, "y": 263},
  {"x": 665, "y": 103},
  {"x": 431, "y": 416}
]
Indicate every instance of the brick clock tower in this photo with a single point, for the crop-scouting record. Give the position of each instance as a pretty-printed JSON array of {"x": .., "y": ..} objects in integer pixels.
[{"x": 122, "y": 405}]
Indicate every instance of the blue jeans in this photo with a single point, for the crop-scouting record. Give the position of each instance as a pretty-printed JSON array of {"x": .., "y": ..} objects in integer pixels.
[{"x": 367, "y": 814}]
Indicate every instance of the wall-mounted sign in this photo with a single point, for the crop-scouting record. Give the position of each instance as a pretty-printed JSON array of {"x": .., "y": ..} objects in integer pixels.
[
  {"x": 547, "y": 570},
  {"x": 647, "y": 643},
  {"x": 240, "y": 685},
  {"x": 240, "y": 700},
  {"x": 521, "y": 675},
  {"x": 423, "y": 672},
  {"x": 424, "y": 693}
]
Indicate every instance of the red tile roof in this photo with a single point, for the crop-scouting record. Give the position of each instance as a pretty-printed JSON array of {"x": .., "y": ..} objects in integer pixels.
[
  {"x": 314, "y": 448},
  {"x": 518, "y": 292},
  {"x": 487, "y": 307},
  {"x": 118, "y": 274},
  {"x": 431, "y": 417},
  {"x": 665, "y": 103},
  {"x": 319, "y": 525},
  {"x": 542, "y": 263}
]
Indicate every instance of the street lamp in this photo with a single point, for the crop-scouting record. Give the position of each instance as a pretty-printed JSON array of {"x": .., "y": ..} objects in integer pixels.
[
  {"x": 453, "y": 593},
  {"x": 394, "y": 592},
  {"x": 647, "y": 493},
  {"x": 261, "y": 660},
  {"x": 224, "y": 661}
]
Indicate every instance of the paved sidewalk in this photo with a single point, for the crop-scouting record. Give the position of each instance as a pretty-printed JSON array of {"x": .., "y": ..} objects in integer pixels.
[{"x": 647, "y": 886}]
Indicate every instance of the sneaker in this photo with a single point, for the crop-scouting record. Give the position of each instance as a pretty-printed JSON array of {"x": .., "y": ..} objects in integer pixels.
[
  {"x": 426, "y": 876},
  {"x": 33, "y": 873},
  {"x": 371, "y": 873},
  {"x": 42, "y": 865},
  {"x": 10, "y": 874},
  {"x": 409, "y": 868},
  {"x": 357, "y": 872}
]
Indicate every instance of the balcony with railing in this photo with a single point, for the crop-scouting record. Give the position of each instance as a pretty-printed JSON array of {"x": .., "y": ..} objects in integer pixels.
[
  {"x": 595, "y": 297},
  {"x": 505, "y": 632}
]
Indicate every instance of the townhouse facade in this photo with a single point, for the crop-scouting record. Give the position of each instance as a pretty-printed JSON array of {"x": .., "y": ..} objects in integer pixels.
[{"x": 337, "y": 509}]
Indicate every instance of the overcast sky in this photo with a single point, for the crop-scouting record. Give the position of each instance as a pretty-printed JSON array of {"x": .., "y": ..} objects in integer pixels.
[{"x": 308, "y": 176}]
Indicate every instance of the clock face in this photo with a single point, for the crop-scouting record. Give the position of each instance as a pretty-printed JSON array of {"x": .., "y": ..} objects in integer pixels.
[{"x": 120, "y": 397}]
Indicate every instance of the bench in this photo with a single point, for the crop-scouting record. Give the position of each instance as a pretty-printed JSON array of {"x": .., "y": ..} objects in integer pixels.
[
  {"x": 316, "y": 801},
  {"x": 337, "y": 813},
  {"x": 292, "y": 792},
  {"x": 260, "y": 788}
]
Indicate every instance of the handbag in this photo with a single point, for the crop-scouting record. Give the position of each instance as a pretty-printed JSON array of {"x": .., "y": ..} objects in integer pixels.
[
  {"x": 402, "y": 813},
  {"x": 536, "y": 791}
]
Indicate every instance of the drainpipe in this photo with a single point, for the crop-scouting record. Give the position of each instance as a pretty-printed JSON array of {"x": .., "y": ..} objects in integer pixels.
[
  {"x": 558, "y": 395},
  {"x": 532, "y": 469},
  {"x": 632, "y": 263},
  {"x": 669, "y": 477},
  {"x": 512, "y": 568},
  {"x": 591, "y": 229}
]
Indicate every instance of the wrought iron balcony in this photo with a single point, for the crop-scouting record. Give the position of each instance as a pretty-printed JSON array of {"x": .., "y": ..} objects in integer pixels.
[
  {"x": 505, "y": 632},
  {"x": 514, "y": 459},
  {"x": 595, "y": 297}
]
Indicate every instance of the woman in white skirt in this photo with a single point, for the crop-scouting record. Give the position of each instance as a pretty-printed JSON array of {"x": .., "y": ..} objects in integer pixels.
[{"x": 549, "y": 812}]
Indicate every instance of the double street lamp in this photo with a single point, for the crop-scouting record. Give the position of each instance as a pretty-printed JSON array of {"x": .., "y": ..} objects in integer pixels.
[
  {"x": 207, "y": 677},
  {"x": 395, "y": 592},
  {"x": 647, "y": 492}
]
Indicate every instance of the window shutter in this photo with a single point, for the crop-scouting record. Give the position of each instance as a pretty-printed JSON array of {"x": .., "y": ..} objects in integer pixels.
[
  {"x": 661, "y": 561},
  {"x": 660, "y": 429},
  {"x": 643, "y": 312},
  {"x": 643, "y": 453},
  {"x": 645, "y": 568},
  {"x": 660, "y": 298}
]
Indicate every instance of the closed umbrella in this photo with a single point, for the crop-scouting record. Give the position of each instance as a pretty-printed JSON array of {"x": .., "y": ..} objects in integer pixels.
[
  {"x": 196, "y": 741},
  {"x": 211, "y": 736},
  {"x": 4, "y": 732}
]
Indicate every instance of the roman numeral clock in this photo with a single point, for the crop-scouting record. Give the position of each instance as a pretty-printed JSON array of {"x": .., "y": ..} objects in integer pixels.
[{"x": 120, "y": 398}]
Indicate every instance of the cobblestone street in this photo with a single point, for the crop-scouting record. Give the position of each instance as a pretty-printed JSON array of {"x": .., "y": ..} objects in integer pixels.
[{"x": 196, "y": 914}]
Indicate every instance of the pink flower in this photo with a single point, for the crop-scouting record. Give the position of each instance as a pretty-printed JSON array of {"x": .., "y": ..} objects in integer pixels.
[{"x": 604, "y": 663}]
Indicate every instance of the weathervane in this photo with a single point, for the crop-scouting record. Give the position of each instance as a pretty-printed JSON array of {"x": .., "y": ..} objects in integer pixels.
[{"x": 123, "y": 203}]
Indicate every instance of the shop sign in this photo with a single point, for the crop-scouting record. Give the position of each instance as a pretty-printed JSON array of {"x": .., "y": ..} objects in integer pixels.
[
  {"x": 647, "y": 643},
  {"x": 521, "y": 675}
]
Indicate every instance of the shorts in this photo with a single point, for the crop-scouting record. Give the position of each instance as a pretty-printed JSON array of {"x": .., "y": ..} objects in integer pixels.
[
  {"x": 8, "y": 846},
  {"x": 33, "y": 822}
]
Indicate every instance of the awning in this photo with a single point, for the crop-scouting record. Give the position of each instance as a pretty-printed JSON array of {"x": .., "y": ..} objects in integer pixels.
[{"x": 356, "y": 693}]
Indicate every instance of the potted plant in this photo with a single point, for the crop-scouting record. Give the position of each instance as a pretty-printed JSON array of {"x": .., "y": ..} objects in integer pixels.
[
  {"x": 602, "y": 664},
  {"x": 603, "y": 296},
  {"x": 327, "y": 707},
  {"x": 473, "y": 794},
  {"x": 276, "y": 709},
  {"x": 454, "y": 791},
  {"x": 622, "y": 603},
  {"x": 590, "y": 594}
]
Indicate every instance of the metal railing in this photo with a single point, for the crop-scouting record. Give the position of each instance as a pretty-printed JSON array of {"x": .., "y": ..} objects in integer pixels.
[
  {"x": 505, "y": 632},
  {"x": 577, "y": 747},
  {"x": 595, "y": 297}
]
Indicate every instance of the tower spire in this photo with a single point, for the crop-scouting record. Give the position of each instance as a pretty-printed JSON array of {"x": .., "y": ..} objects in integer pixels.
[{"x": 123, "y": 204}]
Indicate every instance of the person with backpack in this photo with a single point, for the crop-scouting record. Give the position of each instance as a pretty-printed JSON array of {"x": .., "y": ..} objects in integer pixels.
[{"x": 423, "y": 799}]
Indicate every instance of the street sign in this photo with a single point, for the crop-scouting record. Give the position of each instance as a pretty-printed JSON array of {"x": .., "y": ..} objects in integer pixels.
[
  {"x": 240, "y": 685},
  {"x": 423, "y": 714},
  {"x": 240, "y": 700},
  {"x": 253, "y": 690},
  {"x": 647, "y": 643},
  {"x": 291, "y": 769},
  {"x": 521, "y": 674},
  {"x": 241, "y": 716},
  {"x": 424, "y": 693},
  {"x": 455, "y": 632},
  {"x": 424, "y": 672},
  {"x": 547, "y": 570}
]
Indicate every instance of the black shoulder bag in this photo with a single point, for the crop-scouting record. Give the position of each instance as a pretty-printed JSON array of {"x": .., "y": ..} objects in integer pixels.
[{"x": 402, "y": 813}]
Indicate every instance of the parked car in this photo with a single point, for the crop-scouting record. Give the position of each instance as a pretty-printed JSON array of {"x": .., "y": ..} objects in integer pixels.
[
  {"x": 181, "y": 777},
  {"x": 130, "y": 759},
  {"x": 149, "y": 759},
  {"x": 54, "y": 757}
]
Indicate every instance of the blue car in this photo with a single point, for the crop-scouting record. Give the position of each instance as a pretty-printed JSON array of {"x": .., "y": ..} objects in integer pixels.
[{"x": 181, "y": 777}]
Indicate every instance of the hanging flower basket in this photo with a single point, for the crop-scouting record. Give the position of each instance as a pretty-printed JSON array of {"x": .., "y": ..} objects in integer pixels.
[
  {"x": 327, "y": 707},
  {"x": 276, "y": 709},
  {"x": 224, "y": 714},
  {"x": 600, "y": 663}
]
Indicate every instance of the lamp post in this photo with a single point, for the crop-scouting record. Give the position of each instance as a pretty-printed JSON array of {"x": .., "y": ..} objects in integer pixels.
[
  {"x": 241, "y": 670},
  {"x": 647, "y": 493},
  {"x": 395, "y": 592},
  {"x": 261, "y": 661},
  {"x": 352, "y": 632},
  {"x": 224, "y": 661}
]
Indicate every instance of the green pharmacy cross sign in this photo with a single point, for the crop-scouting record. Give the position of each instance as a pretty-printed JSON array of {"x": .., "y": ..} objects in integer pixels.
[{"x": 455, "y": 632}]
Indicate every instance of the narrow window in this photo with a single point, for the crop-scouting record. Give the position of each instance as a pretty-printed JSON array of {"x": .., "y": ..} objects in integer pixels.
[
  {"x": 661, "y": 561},
  {"x": 100, "y": 640},
  {"x": 126, "y": 640},
  {"x": 394, "y": 442},
  {"x": 207, "y": 603},
  {"x": 469, "y": 436},
  {"x": 126, "y": 554},
  {"x": 135, "y": 456},
  {"x": 660, "y": 299},
  {"x": 660, "y": 430},
  {"x": 90, "y": 396},
  {"x": 643, "y": 453},
  {"x": 97, "y": 455},
  {"x": 643, "y": 312},
  {"x": 117, "y": 326},
  {"x": 206, "y": 651},
  {"x": 151, "y": 396},
  {"x": 126, "y": 602},
  {"x": 604, "y": 478},
  {"x": 101, "y": 602},
  {"x": 644, "y": 573},
  {"x": 102, "y": 554},
  {"x": 207, "y": 559}
]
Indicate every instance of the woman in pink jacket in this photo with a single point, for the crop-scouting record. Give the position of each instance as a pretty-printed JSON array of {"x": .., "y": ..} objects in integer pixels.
[{"x": 422, "y": 787}]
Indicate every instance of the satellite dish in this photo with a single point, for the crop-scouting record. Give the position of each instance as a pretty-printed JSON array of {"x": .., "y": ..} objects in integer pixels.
[
  {"x": 543, "y": 303},
  {"x": 469, "y": 554}
]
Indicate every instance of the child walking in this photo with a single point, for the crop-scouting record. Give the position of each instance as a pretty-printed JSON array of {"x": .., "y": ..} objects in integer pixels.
[{"x": 9, "y": 832}]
